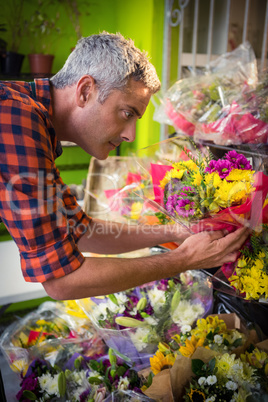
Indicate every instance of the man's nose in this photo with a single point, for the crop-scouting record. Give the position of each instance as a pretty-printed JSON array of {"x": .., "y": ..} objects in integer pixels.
[{"x": 129, "y": 133}]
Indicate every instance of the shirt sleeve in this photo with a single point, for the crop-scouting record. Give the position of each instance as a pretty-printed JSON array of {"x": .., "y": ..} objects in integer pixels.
[{"x": 37, "y": 208}]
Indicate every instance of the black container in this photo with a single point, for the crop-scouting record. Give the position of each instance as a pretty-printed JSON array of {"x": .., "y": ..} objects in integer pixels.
[{"x": 11, "y": 63}]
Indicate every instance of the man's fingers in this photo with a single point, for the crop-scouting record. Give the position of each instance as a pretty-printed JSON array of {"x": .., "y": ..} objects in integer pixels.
[{"x": 236, "y": 239}]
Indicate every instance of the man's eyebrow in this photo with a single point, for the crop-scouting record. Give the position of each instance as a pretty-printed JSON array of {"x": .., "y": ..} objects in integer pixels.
[{"x": 135, "y": 111}]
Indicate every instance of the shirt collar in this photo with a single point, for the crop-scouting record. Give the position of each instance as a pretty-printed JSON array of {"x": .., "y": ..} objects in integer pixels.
[{"x": 43, "y": 94}]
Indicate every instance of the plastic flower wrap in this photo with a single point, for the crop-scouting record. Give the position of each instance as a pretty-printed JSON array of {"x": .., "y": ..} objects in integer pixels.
[
  {"x": 243, "y": 121},
  {"x": 135, "y": 321},
  {"x": 208, "y": 98},
  {"x": 210, "y": 367},
  {"x": 48, "y": 332},
  {"x": 101, "y": 378}
]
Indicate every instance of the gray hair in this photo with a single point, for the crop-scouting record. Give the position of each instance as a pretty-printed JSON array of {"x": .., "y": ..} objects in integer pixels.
[{"x": 111, "y": 60}]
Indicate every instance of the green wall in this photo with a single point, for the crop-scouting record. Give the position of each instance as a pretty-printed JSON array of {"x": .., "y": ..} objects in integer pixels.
[{"x": 141, "y": 20}]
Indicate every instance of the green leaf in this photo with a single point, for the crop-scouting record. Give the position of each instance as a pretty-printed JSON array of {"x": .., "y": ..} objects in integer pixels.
[
  {"x": 29, "y": 395},
  {"x": 237, "y": 342},
  {"x": 95, "y": 380},
  {"x": 121, "y": 371},
  {"x": 197, "y": 366},
  {"x": 211, "y": 364}
]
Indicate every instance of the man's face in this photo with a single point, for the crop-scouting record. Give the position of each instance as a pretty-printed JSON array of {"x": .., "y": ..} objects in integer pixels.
[{"x": 100, "y": 128}]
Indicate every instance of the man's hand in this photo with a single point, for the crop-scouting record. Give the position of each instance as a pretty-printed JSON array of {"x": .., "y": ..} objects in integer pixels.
[{"x": 212, "y": 249}]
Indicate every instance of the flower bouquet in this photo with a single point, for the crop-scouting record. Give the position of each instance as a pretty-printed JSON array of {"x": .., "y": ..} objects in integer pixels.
[
  {"x": 243, "y": 121},
  {"x": 47, "y": 333},
  {"x": 100, "y": 378},
  {"x": 135, "y": 321},
  {"x": 206, "y": 364},
  {"x": 225, "y": 106}
]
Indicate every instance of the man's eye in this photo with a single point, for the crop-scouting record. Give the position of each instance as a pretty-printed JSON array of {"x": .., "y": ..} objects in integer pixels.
[{"x": 128, "y": 114}]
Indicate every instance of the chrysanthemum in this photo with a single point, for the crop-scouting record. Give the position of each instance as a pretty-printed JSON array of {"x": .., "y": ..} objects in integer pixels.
[
  {"x": 224, "y": 364},
  {"x": 160, "y": 362}
]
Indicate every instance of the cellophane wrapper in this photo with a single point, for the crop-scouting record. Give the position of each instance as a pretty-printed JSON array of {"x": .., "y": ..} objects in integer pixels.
[
  {"x": 50, "y": 332},
  {"x": 167, "y": 305},
  {"x": 209, "y": 106}
]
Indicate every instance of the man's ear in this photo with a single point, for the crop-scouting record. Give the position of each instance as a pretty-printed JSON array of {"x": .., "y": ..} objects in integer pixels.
[{"x": 85, "y": 88}]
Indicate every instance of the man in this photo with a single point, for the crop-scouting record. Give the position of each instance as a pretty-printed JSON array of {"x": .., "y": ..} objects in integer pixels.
[{"x": 94, "y": 101}]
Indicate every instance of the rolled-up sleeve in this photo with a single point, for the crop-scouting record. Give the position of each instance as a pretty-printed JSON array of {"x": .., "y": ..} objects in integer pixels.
[{"x": 37, "y": 208}]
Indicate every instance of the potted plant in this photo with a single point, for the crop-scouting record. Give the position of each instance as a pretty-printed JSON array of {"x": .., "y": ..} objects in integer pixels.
[
  {"x": 42, "y": 23},
  {"x": 13, "y": 24},
  {"x": 74, "y": 10}
]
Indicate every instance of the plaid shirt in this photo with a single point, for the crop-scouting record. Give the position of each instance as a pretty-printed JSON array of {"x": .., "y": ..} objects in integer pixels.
[{"x": 37, "y": 208}]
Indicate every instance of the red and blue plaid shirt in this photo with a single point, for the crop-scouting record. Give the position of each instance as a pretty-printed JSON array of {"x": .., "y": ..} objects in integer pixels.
[{"x": 37, "y": 208}]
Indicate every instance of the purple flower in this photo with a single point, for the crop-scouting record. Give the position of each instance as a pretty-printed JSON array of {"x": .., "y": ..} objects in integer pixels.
[
  {"x": 171, "y": 203},
  {"x": 212, "y": 167},
  {"x": 221, "y": 166},
  {"x": 238, "y": 161},
  {"x": 185, "y": 208},
  {"x": 31, "y": 384},
  {"x": 84, "y": 396},
  {"x": 163, "y": 284}
]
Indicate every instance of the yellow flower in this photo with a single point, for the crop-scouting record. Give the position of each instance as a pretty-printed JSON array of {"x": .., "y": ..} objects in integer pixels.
[
  {"x": 186, "y": 165},
  {"x": 240, "y": 175},
  {"x": 224, "y": 364},
  {"x": 19, "y": 366},
  {"x": 159, "y": 362},
  {"x": 250, "y": 286},
  {"x": 230, "y": 193},
  {"x": 191, "y": 345},
  {"x": 213, "y": 179},
  {"x": 172, "y": 174},
  {"x": 196, "y": 179},
  {"x": 206, "y": 325},
  {"x": 257, "y": 358},
  {"x": 135, "y": 212}
]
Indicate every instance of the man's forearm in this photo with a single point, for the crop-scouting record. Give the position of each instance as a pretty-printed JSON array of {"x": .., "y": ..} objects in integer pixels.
[
  {"x": 101, "y": 276},
  {"x": 114, "y": 238}
]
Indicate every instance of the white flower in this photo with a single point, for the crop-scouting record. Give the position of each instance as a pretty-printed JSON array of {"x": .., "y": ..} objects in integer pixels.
[
  {"x": 211, "y": 379},
  {"x": 43, "y": 380},
  {"x": 202, "y": 381},
  {"x": 218, "y": 339},
  {"x": 53, "y": 386},
  {"x": 232, "y": 386},
  {"x": 186, "y": 313},
  {"x": 185, "y": 328},
  {"x": 139, "y": 338},
  {"x": 123, "y": 383},
  {"x": 100, "y": 311},
  {"x": 211, "y": 399},
  {"x": 121, "y": 298},
  {"x": 157, "y": 297}
]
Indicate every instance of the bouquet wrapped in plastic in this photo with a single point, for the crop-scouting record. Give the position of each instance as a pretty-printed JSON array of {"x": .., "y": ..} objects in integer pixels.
[
  {"x": 135, "y": 321},
  {"x": 204, "y": 193},
  {"x": 52, "y": 330},
  {"x": 82, "y": 378},
  {"x": 225, "y": 106},
  {"x": 209, "y": 362}
]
